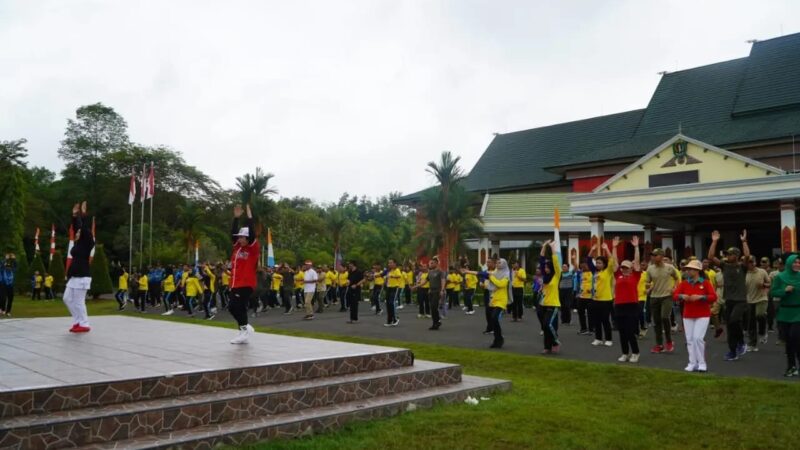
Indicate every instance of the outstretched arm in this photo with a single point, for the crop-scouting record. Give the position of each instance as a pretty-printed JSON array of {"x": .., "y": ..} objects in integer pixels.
[
  {"x": 237, "y": 213},
  {"x": 745, "y": 247},
  {"x": 712, "y": 250},
  {"x": 636, "y": 260}
]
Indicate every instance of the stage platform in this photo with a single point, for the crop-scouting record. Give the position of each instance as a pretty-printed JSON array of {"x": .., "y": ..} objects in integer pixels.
[{"x": 141, "y": 383}]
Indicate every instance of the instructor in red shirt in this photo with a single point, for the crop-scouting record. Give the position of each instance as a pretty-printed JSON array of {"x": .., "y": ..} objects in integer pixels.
[
  {"x": 244, "y": 261},
  {"x": 697, "y": 295}
]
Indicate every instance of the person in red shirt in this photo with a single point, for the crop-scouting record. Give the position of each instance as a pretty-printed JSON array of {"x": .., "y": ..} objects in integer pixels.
[
  {"x": 626, "y": 304},
  {"x": 697, "y": 295},
  {"x": 244, "y": 261}
]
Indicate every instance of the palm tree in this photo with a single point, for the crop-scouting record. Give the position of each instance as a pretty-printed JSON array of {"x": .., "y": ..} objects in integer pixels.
[
  {"x": 191, "y": 220},
  {"x": 448, "y": 206},
  {"x": 337, "y": 219},
  {"x": 254, "y": 189}
]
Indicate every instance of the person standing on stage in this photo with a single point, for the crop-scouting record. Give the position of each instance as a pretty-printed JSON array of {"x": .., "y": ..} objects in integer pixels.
[
  {"x": 79, "y": 278},
  {"x": 244, "y": 260}
]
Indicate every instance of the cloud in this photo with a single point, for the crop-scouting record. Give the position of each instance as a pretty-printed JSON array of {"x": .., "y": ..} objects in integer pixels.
[{"x": 353, "y": 95}]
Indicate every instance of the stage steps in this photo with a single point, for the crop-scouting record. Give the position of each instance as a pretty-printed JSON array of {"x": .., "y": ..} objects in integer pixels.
[{"x": 231, "y": 406}]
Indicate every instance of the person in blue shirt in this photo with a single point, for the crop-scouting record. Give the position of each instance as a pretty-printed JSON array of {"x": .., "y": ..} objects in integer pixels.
[
  {"x": 8, "y": 272},
  {"x": 154, "y": 279}
]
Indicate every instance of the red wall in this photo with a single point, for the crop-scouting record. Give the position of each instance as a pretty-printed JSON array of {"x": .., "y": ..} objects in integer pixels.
[{"x": 588, "y": 184}]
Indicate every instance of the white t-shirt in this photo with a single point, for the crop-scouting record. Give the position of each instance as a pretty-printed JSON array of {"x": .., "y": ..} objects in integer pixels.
[{"x": 310, "y": 281}]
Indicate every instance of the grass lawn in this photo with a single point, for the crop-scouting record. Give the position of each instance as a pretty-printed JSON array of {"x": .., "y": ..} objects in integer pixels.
[{"x": 559, "y": 404}]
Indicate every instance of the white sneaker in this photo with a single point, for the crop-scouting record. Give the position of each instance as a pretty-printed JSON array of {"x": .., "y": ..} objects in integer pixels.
[
  {"x": 213, "y": 310},
  {"x": 469, "y": 313},
  {"x": 702, "y": 368},
  {"x": 609, "y": 343},
  {"x": 764, "y": 339},
  {"x": 168, "y": 313},
  {"x": 624, "y": 358},
  {"x": 463, "y": 308},
  {"x": 400, "y": 307},
  {"x": 241, "y": 338},
  {"x": 597, "y": 342},
  {"x": 396, "y": 322},
  {"x": 634, "y": 358},
  {"x": 690, "y": 368},
  {"x": 420, "y": 316}
]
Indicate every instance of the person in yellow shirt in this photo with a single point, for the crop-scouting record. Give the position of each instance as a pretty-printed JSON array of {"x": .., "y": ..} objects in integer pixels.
[
  {"x": 141, "y": 297},
  {"x": 585, "y": 280},
  {"x": 641, "y": 289},
  {"x": 193, "y": 290},
  {"x": 48, "y": 286},
  {"x": 378, "y": 284},
  {"x": 603, "y": 299},
  {"x": 470, "y": 284},
  {"x": 408, "y": 282},
  {"x": 551, "y": 302},
  {"x": 299, "y": 282},
  {"x": 394, "y": 282},
  {"x": 330, "y": 286},
  {"x": 209, "y": 291},
  {"x": 168, "y": 286},
  {"x": 519, "y": 277},
  {"x": 422, "y": 286},
  {"x": 226, "y": 286},
  {"x": 499, "y": 286},
  {"x": 37, "y": 286},
  {"x": 122, "y": 289},
  {"x": 343, "y": 280}
]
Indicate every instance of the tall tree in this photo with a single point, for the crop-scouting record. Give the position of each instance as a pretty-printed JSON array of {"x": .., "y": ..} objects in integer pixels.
[
  {"x": 13, "y": 191},
  {"x": 254, "y": 190},
  {"x": 96, "y": 132}
]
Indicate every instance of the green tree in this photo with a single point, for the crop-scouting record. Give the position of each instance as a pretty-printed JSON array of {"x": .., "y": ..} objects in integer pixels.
[
  {"x": 254, "y": 190},
  {"x": 22, "y": 282},
  {"x": 101, "y": 277},
  {"x": 37, "y": 265},
  {"x": 13, "y": 193},
  {"x": 57, "y": 270}
]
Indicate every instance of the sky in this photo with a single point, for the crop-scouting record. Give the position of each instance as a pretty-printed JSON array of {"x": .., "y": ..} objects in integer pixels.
[{"x": 355, "y": 96}]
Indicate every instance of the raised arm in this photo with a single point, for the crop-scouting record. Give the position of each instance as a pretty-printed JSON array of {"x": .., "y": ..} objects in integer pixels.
[
  {"x": 637, "y": 266},
  {"x": 745, "y": 247},
  {"x": 712, "y": 250},
  {"x": 237, "y": 213}
]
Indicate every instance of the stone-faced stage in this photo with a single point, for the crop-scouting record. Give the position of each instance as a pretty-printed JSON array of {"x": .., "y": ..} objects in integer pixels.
[{"x": 140, "y": 383}]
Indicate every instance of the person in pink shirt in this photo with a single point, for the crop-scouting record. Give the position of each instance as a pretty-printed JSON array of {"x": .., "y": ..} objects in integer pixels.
[{"x": 697, "y": 295}]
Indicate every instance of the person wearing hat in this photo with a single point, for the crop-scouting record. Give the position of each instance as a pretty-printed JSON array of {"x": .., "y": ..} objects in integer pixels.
[
  {"x": 697, "y": 294},
  {"x": 310, "y": 278},
  {"x": 758, "y": 282},
  {"x": 661, "y": 279},
  {"x": 786, "y": 287},
  {"x": 626, "y": 304},
  {"x": 734, "y": 276},
  {"x": 244, "y": 260}
]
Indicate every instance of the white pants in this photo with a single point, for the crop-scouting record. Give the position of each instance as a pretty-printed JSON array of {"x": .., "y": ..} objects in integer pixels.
[
  {"x": 695, "y": 331},
  {"x": 75, "y": 299}
]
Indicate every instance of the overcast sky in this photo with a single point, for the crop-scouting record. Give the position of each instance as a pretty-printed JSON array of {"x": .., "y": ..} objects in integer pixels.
[{"x": 357, "y": 96}]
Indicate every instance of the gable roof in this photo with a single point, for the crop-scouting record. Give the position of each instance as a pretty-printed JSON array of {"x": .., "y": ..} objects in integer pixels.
[
  {"x": 771, "y": 79},
  {"x": 680, "y": 137}
]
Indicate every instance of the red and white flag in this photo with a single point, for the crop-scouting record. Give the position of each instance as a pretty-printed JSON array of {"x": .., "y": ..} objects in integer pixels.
[
  {"x": 52, "y": 241},
  {"x": 151, "y": 182},
  {"x": 36, "y": 241},
  {"x": 69, "y": 248},
  {"x": 132, "y": 192},
  {"x": 144, "y": 183},
  {"x": 94, "y": 239}
]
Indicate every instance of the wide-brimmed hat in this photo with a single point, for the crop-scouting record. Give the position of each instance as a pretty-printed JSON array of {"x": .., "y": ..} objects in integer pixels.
[{"x": 693, "y": 264}]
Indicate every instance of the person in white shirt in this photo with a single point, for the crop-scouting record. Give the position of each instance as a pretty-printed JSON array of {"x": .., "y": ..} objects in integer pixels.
[{"x": 310, "y": 278}]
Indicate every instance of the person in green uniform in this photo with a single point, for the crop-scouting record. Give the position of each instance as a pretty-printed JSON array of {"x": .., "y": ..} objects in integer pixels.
[{"x": 786, "y": 287}]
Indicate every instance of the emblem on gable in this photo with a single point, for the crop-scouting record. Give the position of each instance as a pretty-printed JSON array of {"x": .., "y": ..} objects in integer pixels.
[{"x": 680, "y": 155}]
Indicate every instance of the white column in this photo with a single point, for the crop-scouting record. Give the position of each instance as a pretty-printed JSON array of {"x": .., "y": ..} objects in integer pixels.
[
  {"x": 523, "y": 260},
  {"x": 495, "y": 248},
  {"x": 573, "y": 247},
  {"x": 597, "y": 226},
  {"x": 699, "y": 251},
  {"x": 668, "y": 246},
  {"x": 788, "y": 227},
  {"x": 688, "y": 242}
]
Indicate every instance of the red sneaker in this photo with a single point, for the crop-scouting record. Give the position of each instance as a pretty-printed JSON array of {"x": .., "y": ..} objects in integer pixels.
[
  {"x": 657, "y": 349},
  {"x": 670, "y": 347},
  {"x": 80, "y": 329},
  {"x": 74, "y": 325}
]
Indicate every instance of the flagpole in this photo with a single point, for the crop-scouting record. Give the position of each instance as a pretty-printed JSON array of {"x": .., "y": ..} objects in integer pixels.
[
  {"x": 150, "y": 193},
  {"x": 141, "y": 227},
  {"x": 130, "y": 242}
]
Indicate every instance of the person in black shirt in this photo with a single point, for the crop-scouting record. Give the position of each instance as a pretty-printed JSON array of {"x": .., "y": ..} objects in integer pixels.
[
  {"x": 355, "y": 280},
  {"x": 79, "y": 278}
]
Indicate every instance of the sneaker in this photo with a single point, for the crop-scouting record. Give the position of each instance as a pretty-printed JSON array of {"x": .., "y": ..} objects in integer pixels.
[
  {"x": 556, "y": 349},
  {"x": 168, "y": 313},
  {"x": 400, "y": 307},
  {"x": 608, "y": 343},
  {"x": 690, "y": 368},
  {"x": 670, "y": 347},
  {"x": 544, "y": 352},
  {"x": 731, "y": 356},
  {"x": 420, "y": 316},
  {"x": 309, "y": 317},
  {"x": 372, "y": 307},
  {"x": 624, "y": 358},
  {"x": 214, "y": 311},
  {"x": 702, "y": 368},
  {"x": 488, "y": 332},
  {"x": 541, "y": 333},
  {"x": 241, "y": 338},
  {"x": 427, "y": 316},
  {"x": 121, "y": 308},
  {"x": 764, "y": 339},
  {"x": 643, "y": 332},
  {"x": 674, "y": 328},
  {"x": 754, "y": 348},
  {"x": 80, "y": 329},
  {"x": 72, "y": 329},
  {"x": 387, "y": 324},
  {"x": 463, "y": 308},
  {"x": 396, "y": 322},
  {"x": 657, "y": 349},
  {"x": 435, "y": 326},
  {"x": 790, "y": 372},
  {"x": 352, "y": 321},
  {"x": 211, "y": 317},
  {"x": 634, "y": 358},
  {"x": 741, "y": 350},
  {"x": 597, "y": 342}
]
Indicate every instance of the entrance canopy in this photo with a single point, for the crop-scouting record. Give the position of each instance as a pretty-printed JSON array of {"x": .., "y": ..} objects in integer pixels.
[{"x": 687, "y": 183}]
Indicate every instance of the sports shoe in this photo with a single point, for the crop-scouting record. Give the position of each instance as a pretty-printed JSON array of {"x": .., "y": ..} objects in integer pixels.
[
  {"x": 308, "y": 317},
  {"x": 674, "y": 328},
  {"x": 396, "y": 322},
  {"x": 556, "y": 349},
  {"x": 690, "y": 368},
  {"x": 702, "y": 368},
  {"x": 541, "y": 333},
  {"x": 790, "y": 372},
  {"x": 121, "y": 307},
  {"x": 463, "y": 308},
  {"x": 544, "y": 352},
  {"x": 670, "y": 347},
  {"x": 168, "y": 313},
  {"x": 643, "y": 332},
  {"x": 754, "y": 348},
  {"x": 241, "y": 338},
  {"x": 435, "y": 326},
  {"x": 624, "y": 358},
  {"x": 80, "y": 329},
  {"x": 211, "y": 317},
  {"x": 597, "y": 342},
  {"x": 372, "y": 307},
  {"x": 387, "y": 324},
  {"x": 427, "y": 316},
  {"x": 741, "y": 350},
  {"x": 469, "y": 313},
  {"x": 657, "y": 349},
  {"x": 400, "y": 306},
  {"x": 634, "y": 358},
  {"x": 731, "y": 356},
  {"x": 420, "y": 316},
  {"x": 764, "y": 339},
  {"x": 608, "y": 343}
]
